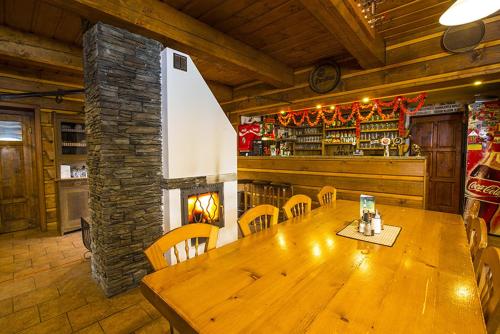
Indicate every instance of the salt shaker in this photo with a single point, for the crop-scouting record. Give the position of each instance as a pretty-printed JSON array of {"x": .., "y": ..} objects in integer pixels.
[
  {"x": 361, "y": 227},
  {"x": 368, "y": 229},
  {"x": 377, "y": 224}
]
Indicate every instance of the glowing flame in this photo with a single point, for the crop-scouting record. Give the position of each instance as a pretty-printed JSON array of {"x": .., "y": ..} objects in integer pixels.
[{"x": 204, "y": 208}]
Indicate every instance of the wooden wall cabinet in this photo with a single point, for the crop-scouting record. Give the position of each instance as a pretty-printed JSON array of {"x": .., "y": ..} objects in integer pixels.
[
  {"x": 72, "y": 192},
  {"x": 73, "y": 198}
]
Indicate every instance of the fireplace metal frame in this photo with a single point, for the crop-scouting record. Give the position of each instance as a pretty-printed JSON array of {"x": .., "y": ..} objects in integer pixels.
[{"x": 201, "y": 189}]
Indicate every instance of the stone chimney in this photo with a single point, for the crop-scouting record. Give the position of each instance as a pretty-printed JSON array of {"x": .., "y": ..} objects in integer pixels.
[{"x": 123, "y": 122}]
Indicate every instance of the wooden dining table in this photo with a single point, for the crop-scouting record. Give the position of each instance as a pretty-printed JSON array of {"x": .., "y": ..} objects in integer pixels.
[{"x": 300, "y": 277}]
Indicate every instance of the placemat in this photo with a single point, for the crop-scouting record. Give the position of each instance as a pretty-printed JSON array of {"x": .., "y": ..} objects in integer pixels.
[{"x": 387, "y": 237}]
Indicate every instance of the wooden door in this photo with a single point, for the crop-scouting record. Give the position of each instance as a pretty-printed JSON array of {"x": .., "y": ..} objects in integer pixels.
[
  {"x": 440, "y": 138},
  {"x": 18, "y": 196}
]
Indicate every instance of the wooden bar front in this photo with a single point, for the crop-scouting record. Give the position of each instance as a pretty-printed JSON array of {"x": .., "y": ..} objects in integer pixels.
[{"x": 395, "y": 180}]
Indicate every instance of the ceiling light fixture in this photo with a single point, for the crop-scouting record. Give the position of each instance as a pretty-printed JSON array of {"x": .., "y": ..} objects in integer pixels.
[
  {"x": 466, "y": 11},
  {"x": 365, "y": 100},
  {"x": 478, "y": 83}
]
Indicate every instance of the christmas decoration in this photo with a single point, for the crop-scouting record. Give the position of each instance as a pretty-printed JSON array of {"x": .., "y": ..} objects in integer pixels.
[{"x": 359, "y": 111}]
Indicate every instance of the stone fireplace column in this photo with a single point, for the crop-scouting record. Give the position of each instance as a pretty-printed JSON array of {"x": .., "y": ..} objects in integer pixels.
[{"x": 123, "y": 121}]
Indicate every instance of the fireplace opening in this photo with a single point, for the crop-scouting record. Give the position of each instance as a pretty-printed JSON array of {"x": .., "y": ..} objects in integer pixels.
[
  {"x": 204, "y": 208},
  {"x": 203, "y": 204}
]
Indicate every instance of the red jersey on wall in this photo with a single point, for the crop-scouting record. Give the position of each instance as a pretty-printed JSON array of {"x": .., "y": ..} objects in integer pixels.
[{"x": 247, "y": 133}]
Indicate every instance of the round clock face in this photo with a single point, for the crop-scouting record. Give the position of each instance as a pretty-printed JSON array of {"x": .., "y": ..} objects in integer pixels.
[{"x": 325, "y": 77}]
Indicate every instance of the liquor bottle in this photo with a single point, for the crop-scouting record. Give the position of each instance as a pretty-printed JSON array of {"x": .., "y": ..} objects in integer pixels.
[{"x": 483, "y": 184}]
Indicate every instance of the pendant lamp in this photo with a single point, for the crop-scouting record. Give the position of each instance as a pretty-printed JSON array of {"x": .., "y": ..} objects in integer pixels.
[{"x": 466, "y": 11}]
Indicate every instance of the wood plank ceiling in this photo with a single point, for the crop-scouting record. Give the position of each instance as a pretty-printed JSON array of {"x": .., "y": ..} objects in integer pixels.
[{"x": 283, "y": 29}]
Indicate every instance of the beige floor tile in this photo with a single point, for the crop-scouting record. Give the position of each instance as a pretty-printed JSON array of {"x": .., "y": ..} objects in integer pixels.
[
  {"x": 158, "y": 326},
  {"x": 6, "y": 307},
  {"x": 61, "y": 275},
  {"x": 91, "y": 313},
  {"x": 60, "y": 305},
  {"x": 20, "y": 320},
  {"x": 15, "y": 266},
  {"x": 68, "y": 260},
  {"x": 16, "y": 287},
  {"x": 125, "y": 321},
  {"x": 48, "y": 258},
  {"x": 150, "y": 309},
  {"x": 6, "y": 260},
  {"x": 132, "y": 297},
  {"x": 6, "y": 276},
  {"x": 92, "y": 329},
  {"x": 30, "y": 271},
  {"x": 34, "y": 297},
  {"x": 59, "y": 325}
]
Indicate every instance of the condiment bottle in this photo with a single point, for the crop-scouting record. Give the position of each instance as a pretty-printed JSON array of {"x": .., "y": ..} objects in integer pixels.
[
  {"x": 368, "y": 229},
  {"x": 377, "y": 223},
  {"x": 361, "y": 227}
]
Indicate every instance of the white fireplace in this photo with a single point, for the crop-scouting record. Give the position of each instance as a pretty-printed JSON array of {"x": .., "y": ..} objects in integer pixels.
[{"x": 197, "y": 141}]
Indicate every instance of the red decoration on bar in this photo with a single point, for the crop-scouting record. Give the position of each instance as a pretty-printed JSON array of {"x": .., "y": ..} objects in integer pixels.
[{"x": 314, "y": 116}]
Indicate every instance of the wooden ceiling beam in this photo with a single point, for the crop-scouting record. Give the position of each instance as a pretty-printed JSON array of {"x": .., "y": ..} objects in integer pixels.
[
  {"x": 158, "y": 20},
  {"x": 32, "y": 48},
  {"x": 345, "y": 23}
]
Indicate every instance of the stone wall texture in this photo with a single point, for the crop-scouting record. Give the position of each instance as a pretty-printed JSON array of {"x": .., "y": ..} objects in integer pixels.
[{"x": 123, "y": 121}]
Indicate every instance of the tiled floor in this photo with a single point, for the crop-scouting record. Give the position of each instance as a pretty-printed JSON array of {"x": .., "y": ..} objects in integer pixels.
[{"x": 46, "y": 287}]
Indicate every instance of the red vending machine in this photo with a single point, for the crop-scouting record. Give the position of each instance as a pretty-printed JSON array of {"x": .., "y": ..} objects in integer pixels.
[{"x": 482, "y": 181}]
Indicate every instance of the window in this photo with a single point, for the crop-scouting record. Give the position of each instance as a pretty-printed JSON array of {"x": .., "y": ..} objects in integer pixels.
[{"x": 11, "y": 131}]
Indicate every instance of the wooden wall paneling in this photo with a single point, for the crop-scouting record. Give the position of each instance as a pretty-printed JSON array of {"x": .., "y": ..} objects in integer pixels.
[
  {"x": 30, "y": 47},
  {"x": 424, "y": 71},
  {"x": 49, "y": 167},
  {"x": 393, "y": 181},
  {"x": 431, "y": 44},
  {"x": 410, "y": 167}
]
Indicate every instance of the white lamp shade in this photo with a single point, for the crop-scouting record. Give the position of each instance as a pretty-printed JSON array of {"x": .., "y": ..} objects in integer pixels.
[{"x": 466, "y": 11}]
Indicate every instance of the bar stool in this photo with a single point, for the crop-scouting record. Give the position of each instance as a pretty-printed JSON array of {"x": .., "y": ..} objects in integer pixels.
[
  {"x": 247, "y": 186},
  {"x": 281, "y": 193},
  {"x": 260, "y": 192}
]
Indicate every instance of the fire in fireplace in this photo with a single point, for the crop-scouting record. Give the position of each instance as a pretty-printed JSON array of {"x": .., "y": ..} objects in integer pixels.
[
  {"x": 203, "y": 204},
  {"x": 204, "y": 208}
]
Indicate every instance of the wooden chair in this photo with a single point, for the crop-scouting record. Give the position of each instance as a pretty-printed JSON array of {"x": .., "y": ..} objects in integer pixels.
[
  {"x": 488, "y": 281},
  {"x": 258, "y": 219},
  {"x": 327, "y": 195},
  {"x": 478, "y": 239},
  {"x": 297, "y": 205},
  {"x": 156, "y": 252},
  {"x": 473, "y": 211}
]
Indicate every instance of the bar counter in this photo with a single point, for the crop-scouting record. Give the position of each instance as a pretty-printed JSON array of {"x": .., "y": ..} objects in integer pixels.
[{"x": 393, "y": 180}]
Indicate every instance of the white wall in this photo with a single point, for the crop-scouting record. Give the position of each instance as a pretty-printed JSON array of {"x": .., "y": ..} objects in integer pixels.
[
  {"x": 198, "y": 140},
  {"x": 201, "y": 141}
]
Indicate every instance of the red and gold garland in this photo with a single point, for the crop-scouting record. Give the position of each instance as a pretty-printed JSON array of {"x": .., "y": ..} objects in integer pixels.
[{"x": 330, "y": 115}]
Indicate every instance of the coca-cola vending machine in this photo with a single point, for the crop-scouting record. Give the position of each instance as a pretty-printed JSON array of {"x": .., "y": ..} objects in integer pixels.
[{"x": 482, "y": 184}]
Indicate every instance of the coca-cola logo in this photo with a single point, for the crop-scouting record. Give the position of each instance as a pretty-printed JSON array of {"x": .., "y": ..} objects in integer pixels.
[{"x": 483, "y": 189}]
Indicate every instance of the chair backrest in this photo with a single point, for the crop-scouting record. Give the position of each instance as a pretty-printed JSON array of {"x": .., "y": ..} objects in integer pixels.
[
  {"x": 472, "y": 210},
  {"x": 478, "y": 239},
  {"x": 156, "y": 252},
  {"x": 258, "y": 218},
  {"x": 327, "y": 195},
  {"x": 297, "y": 205},
  {"x": 488, "y": 281}
]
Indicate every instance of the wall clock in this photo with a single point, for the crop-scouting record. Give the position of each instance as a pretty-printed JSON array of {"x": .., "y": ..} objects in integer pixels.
[{"x": 324, "y": 77}]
